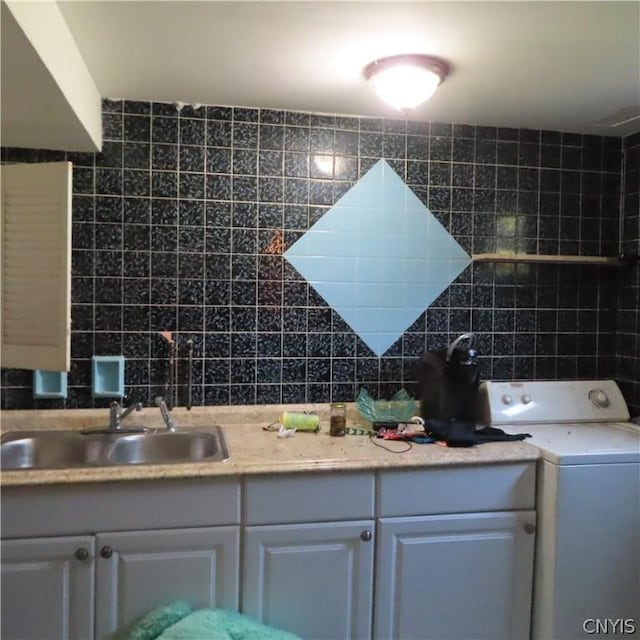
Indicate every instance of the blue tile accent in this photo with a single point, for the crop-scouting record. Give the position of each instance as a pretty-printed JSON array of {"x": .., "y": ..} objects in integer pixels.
[
  {"x": 378, "y": 257},
  {"x": 49, "y": 384},
  {"x": 107, "y": 376}
]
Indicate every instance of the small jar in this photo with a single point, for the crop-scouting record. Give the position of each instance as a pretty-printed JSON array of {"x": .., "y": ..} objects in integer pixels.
[{"x": 337, "y": 419}]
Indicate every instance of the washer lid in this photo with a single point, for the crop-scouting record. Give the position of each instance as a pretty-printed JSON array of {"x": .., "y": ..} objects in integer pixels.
[{"x": 583, "y": 443}]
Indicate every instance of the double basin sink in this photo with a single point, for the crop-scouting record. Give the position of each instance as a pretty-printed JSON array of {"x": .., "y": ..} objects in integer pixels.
[{"x": 73, "y": 449}]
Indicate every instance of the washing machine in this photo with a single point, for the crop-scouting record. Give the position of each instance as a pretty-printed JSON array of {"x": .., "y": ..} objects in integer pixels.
[{"x": 587, "y": 561}]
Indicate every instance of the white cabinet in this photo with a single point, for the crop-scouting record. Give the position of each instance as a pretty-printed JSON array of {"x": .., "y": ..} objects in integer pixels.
[
  {"x": 454, "y": 577},
  {"x": 309, "y": 554},
  {"x": 48, "y": 584},
  {"x": 47, "y": 588},
  {"x": 138, "y": 571},
  {"x": 409, "y": 555},
  {"x": 455, "y": 553},
  {"x": 92, "y": 585},
  {"x": 312, "y": 579}
]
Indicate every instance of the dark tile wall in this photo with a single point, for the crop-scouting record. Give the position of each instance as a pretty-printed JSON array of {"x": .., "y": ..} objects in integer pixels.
[
  {"x": 628, "y": 327},
  {"x": 179, "y": 225}
]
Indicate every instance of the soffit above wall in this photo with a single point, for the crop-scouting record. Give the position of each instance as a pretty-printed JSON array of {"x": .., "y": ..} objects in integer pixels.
[{"x": 48, "y": 98}]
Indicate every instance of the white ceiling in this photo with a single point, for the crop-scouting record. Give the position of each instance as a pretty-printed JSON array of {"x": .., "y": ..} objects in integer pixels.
[
  {"x": 570, "y": 66},
  {"x": 543, "y": 65}
]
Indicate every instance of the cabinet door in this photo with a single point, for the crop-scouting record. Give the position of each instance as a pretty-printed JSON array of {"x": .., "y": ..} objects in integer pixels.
[
  {"x": 47, "y": 592},
  {"x": 35, "y": 271},
  {"x": 311, "y": 579},
  {"x": 455, "y": 576},
  {"x": 139, "y": 571}
]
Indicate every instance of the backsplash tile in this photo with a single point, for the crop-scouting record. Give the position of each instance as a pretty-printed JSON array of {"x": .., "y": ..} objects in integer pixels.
[
  {"x": 181, "y": 221},
  {"x": 628, "y": 300},
  {"x": 378, "y": 257}
]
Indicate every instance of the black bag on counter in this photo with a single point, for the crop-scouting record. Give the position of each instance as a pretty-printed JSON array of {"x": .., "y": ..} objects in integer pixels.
[{"x": 449, "y": 381}]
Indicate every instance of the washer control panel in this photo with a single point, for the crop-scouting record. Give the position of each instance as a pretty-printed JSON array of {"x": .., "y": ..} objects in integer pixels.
[{"x": 549, "y": 401}]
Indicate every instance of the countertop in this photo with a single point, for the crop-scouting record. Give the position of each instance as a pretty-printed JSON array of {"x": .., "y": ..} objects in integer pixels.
[{"x": 252, "y": 449}]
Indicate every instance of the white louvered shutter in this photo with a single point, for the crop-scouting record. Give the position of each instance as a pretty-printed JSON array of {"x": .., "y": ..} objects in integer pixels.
[{"x": 35, "y": 216}]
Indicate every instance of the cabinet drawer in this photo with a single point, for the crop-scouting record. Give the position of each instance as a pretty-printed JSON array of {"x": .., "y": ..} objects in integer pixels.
[
  {"x": 457, "y": 490},
  {"x": 158, "y": 504},
  {"x": 308, "y": 498}
]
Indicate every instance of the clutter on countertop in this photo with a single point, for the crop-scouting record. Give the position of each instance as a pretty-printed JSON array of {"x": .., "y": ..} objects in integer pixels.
[
  {"x": 401, "y": 408},
  {"x": 337, "y": 419},
  {"x": 300, "y": 420},
  {"x": 252, "y": 450},
  {"x": 292, "y": 421},
  {"x": 449, "y": 381},
  {"x": 283, "y": 432}
]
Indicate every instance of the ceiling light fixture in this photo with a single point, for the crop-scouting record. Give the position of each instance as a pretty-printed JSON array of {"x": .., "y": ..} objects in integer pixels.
[{"x": 406, "y": 80}]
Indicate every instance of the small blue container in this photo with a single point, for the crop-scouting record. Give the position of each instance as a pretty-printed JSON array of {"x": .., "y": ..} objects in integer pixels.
[
  {"x": 107, "y": 376},
  {"x": 49, "y": 384}
]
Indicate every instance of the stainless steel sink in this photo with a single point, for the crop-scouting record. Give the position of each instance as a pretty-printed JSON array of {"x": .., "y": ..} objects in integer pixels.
[
  {"x": 49, "y": 450},
  {"x": 163, "y": 447},
  {"x": 64, "y": 449}
]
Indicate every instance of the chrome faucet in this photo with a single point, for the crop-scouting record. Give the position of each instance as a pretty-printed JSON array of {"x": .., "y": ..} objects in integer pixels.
[
  {"x": 117, "y": 414},
  {"x": 166, "y": 416}
]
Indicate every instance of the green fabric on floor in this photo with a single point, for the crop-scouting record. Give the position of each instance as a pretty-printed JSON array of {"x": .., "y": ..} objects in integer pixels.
[
  {"x": 156, "y": 621},
  {"x": 218, "y": 624},
  {"x": 178, "y": 622}
]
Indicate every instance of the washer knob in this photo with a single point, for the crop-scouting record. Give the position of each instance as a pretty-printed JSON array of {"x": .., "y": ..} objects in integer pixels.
[
  {"x": 507, "y": 399},
  {"x": 599, "y": 398},
  {"x": 526, "y": 399}
]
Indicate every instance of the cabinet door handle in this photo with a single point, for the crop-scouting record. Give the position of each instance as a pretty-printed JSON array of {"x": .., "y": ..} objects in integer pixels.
[
  {"x": 529, "y": 528},
  {"x": 82, "y": 554},
  {"x": 365, "y": 536},
  {"x": 106, "y": 552}
]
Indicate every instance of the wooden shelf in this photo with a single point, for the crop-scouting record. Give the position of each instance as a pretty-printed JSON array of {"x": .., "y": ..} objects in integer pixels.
[{"x": 547, "y": 259}]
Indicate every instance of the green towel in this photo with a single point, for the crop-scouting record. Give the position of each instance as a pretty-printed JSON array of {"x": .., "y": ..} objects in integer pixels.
[
  {"x": 178, "y": 622},
  {"x": 155, "y": 622},
  {"x": 218, "y": 624}
]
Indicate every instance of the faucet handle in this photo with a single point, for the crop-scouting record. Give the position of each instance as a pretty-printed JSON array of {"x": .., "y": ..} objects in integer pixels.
[
  {"x": 164, "y": 411},
  {"x": 134, "y": 405}
]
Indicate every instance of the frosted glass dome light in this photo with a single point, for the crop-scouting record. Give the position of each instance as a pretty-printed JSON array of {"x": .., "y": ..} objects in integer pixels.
[{"x": 405, "y": 81}]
